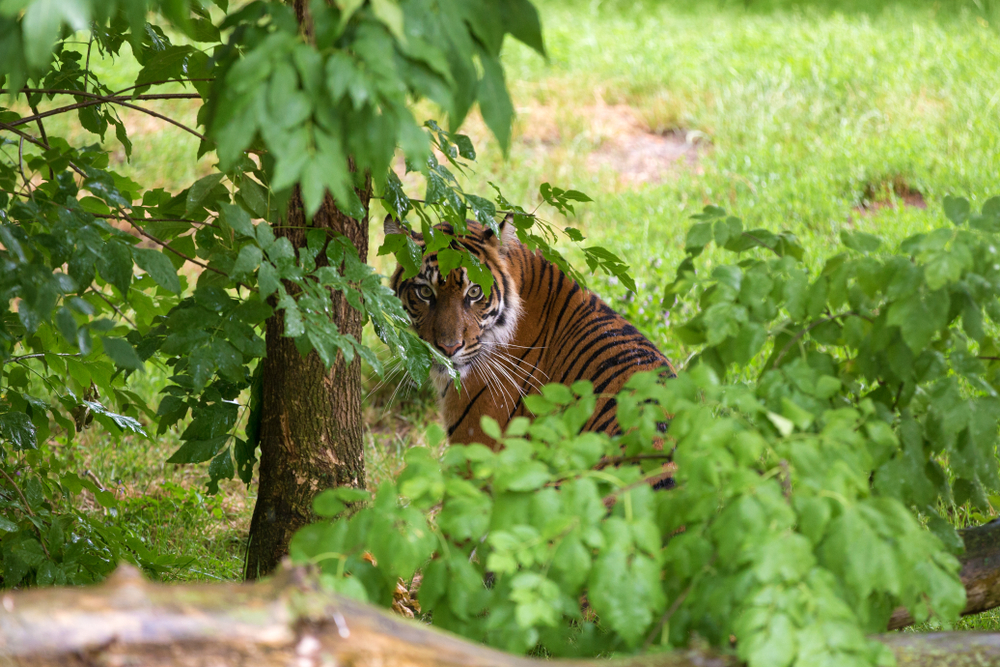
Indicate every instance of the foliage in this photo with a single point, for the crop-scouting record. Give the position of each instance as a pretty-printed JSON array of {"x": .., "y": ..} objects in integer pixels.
[
  {"x": 47, "y": 540},
  {"x": 807, "y": 501},
  {"x": 281, "y": 112}
]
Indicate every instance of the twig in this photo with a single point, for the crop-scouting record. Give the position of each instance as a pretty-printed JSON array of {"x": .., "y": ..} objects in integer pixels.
[
  {"x": 165, "y": 246},
  {"x": 41, "y": 133},
  {"x": 27, "y": 508},
  {"x": 618, "y": 460},
  {"x": 28, "y": 137},
  {"x": 674, "y": 606},
  {"x": 786, "y": 479},
  {"x": 86, "y": 66},
  {"x": 645, "y": 479},
  {"x": 120, "y": 100},
  {"x": 116, "y": 309},
  {"x": 114, "y": 216},
  {"x": 20, "y": 164},
  {"x": 809, "y": 328},
  {"x": 108, "y": 98},
  {"x": 41, "y": 355},
  {"x": 97, "y": 481},
  {"x": 157, "y": 83}
]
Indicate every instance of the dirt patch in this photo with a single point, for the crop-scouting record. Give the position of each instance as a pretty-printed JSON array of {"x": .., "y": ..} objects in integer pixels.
[
  {"x": 888, "y": 193},
  {"x": 647, "y": 158},
  {"x": 621, "y": 141}
]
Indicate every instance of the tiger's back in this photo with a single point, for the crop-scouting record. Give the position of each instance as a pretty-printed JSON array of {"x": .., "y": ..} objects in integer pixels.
[{"x": 536, "y": 326}]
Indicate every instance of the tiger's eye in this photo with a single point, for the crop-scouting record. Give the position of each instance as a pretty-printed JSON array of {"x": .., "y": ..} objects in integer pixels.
[
  {"x": 475, "y": 292},
  {"x": 425, "y": 292}
]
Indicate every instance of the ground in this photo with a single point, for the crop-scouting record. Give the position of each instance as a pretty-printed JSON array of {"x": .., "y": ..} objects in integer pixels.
[{"x": 812, "y": 120}]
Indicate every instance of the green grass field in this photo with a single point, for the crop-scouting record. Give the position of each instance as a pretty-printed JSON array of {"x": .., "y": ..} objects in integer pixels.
[{"x": 790, "y": 117}]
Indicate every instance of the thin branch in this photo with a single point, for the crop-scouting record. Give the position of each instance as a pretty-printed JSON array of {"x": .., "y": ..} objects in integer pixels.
[
  {"x": 28, "y": 137},
  {"x": 120, "y": 100},
  {"x": 108, "y": 98},
  {"x": 165, "y": 246},
  {"x": 618, "y": 460},
  {"x": 113, "y": 306},
  {"x": 115, "y": 216},
  {"x": 166, "y": 118},
  {"x": 809, "y": 328},
  {"x": 27, "y": 508},
  {"x": 41, "y": 133},
  {"x": 20, "y": 164},
  {"x": 41, "y": 355},
  {"x": 157, "y": 83},
  {"x": 645, "y": 479},
  {"x": 86, "y": 66},
  {"x": 674, "y": 606},
  {"x": 786, "y": 480}
]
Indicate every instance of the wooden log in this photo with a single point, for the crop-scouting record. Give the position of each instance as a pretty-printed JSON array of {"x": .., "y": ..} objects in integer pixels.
[
  {"x": 980, "y": 573},
  {"x": 289, "y": 621}
]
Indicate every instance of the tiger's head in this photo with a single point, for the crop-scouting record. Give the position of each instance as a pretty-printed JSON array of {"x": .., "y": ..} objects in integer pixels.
[{"x": 453, "y": 313}]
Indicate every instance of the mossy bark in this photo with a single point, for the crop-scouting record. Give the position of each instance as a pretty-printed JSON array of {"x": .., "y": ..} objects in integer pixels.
[{"x": 311, "y": 436}]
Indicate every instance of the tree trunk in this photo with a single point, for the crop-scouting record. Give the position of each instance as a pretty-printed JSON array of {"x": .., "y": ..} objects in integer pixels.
[
  {"x": 290, "y": 621},
  {"x": 310, "y": 437}
]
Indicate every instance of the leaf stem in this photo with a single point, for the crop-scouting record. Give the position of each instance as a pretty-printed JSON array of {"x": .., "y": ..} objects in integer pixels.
[
  {"x": 809, "y": 328},
  {"x": 27, "y": 508},
  {"x": 113, "y": 306}
]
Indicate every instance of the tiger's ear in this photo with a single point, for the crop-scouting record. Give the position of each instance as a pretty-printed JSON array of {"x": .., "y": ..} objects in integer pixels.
[
  {"x": 390, "y": 226},
  {"x": 508, "y": 233}
]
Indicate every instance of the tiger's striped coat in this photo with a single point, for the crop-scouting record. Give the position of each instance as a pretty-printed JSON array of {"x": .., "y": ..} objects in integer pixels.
[{"x": 536, "y": 326}]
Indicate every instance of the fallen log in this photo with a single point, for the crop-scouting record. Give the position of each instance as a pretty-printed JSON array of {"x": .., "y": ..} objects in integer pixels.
[
  {"x": 290, "y": 621},
  {"x": 980, "y": 573}
]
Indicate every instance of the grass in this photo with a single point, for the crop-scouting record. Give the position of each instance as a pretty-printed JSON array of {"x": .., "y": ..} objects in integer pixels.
[{"x": 794, "y": 117}]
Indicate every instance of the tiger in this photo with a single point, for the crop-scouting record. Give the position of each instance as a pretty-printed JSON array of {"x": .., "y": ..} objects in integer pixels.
[{"x": 537, "y": 325}]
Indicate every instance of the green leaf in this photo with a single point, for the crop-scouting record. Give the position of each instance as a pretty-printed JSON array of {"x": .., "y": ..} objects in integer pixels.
[
  {"x": 237, "y": 219},
  {"x": 198, "y": 451},
  {"x": 327, "y": 503},
  {"x": 16, "y": 428},
  {"x": 520, "y": 19},
  {"x": 115, "y": 265},
  {"x": 246, "y": 263},
  {"x": 956, "y": 209},
  {"x": 115, "y": 421},
  {"x": 494, "y": 100},
  {"x": 626, "y": 595},
  {"x": 123, "y": 354},
  {"x": 919, "y": 317},
  {"x": 391, "y": 16},
  {"x": 198, "y": 194},
  {"x": 42, "y": 22},
  {"x": 698, "y": 236},
  {"x": 164, "y": 65},
  {"x": 860, "y": 241},
  {"x": 158, "y": 267}
]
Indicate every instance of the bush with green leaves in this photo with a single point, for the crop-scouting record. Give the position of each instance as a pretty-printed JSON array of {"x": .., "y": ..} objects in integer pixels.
[{"x": 861, "y": 403}]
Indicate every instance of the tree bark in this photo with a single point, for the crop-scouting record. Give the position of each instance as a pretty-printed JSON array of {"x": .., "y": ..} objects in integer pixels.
[
  {"x": 289, "y": 621},
  {"x": 311, "y": 434}
]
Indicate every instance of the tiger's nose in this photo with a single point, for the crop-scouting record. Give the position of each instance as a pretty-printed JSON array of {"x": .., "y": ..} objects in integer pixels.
[{"x": 450, "y": 350}]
